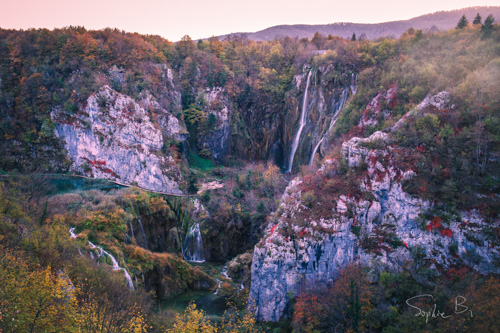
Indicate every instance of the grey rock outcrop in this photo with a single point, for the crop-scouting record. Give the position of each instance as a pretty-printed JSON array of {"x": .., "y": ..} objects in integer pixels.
[
  {"x": 113, "y": 137},
  {"x": 218, "y": 106}
]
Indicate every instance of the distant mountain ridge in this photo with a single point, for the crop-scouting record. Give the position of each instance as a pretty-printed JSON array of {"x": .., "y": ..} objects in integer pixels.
[{"x": 442, "y": 20}]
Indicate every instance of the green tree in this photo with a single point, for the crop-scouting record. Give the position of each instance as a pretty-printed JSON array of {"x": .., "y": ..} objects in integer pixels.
[
  {"x": 462, "y": 23},
  {"x": 318, "y": 40},
  {"x": 487, "y": 27},
  {"x": 353, "y": 38},
  {"x": 477, "y": 19}
]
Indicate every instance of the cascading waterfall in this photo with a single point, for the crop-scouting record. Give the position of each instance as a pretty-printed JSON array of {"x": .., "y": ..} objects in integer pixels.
[
  {"x": 116, "y": 267},
  {"x": 315, "y": 150},
  {"x": 219, "y": 282},
  {"x": 100, "y": 252},
  {"x": 184, "y": 218},
  {"x": 354, "y": 80},
  {"x": 303, "y": 117},
  {"x": 193, "y": 245},
  {"x": 143, "y": 234},
  {"x": 337, "y": 107},
  {"x": 132, "y": 229}
]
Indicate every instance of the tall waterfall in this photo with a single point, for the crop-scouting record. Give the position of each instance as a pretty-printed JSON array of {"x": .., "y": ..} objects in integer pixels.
[
  {"x": 303, "y": 116},
  {"x": 337, "y": 107},
  {"x": 315, "y": 150},
  {"x": 193, "y": 245}
]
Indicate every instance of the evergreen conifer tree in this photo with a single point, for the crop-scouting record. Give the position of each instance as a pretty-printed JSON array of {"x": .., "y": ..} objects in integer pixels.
[
  {"x": 462, "y": 23},
  {"x": 353, "y": 38},
  {"x": 477, "y": 19},
  {"x": 487, "y": 27}
]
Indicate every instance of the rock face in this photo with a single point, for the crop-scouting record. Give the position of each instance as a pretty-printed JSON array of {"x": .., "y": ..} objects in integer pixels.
[
  {"x": 239, "y": 269},
  {"x": 156, "y": 232},
  {"x": 113, "y": 137},
  {"x": 376, "y": 108},
  {"x": 218, "y": 105},
  {"x": 384, "y": 229},
  {"x": 170, "y": 275},
  {"x": 170, "y": 126}
]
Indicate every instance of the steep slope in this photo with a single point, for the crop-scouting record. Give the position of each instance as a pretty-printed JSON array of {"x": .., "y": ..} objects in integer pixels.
[{"x": 354, "y": 209}]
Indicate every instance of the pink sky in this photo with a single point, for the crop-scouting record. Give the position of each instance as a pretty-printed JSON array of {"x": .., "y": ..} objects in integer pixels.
[{"x": 204, "y": 18}]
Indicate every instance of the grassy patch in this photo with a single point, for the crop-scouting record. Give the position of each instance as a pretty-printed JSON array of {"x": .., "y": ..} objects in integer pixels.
[{"x": 200, "y": 163}]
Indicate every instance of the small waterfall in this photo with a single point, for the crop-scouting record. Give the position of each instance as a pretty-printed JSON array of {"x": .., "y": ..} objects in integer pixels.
[
  {"x": 315, "y": 150},
  {"x": 184, "y": 220},
  {"x": 337, "y": 108},
  {"x": 341, "y": 103},
  {"x": 143, "y": 234},
  {"x": 303, "y": 117},
  {"x": 101, "y": 251},
  {"x": 193, "y": 245},
  {"x": 219, "y": 282},
  {"x": 354, "y": 81},
  {"x": 116, "y": 267},
  {"x": 224, "y": 273},
  {"x": 132, "y": 230}
]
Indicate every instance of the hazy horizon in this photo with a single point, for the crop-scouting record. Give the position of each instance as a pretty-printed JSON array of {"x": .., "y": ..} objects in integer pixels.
[{"x": 173, "y": 19}]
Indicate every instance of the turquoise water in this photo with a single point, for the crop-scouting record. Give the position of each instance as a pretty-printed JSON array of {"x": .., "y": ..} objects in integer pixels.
[
  {"x": 67, "y": 184},
  {"x": 213, "y": 305}
]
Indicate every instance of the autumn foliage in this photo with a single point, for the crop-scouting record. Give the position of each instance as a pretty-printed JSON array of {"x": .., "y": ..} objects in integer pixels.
[{"x": 343, "y": 305}]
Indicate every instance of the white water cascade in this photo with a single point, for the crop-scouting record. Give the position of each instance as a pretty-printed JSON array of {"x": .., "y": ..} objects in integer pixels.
[
  {"x": 116, "y": 267},
  {"x": 303, "y": 116},
  {"x": 132, "y": 229},
  {"x": 315, "y": 150},
  {"x": 354, "y": 81},
  {"x": 143, "y": 234},
  {"x": 337, "y": 107},
  {"x": 193, "y": 245},
  {"x": 219, "y": 282},
  {"x": 101, "y": 251}
]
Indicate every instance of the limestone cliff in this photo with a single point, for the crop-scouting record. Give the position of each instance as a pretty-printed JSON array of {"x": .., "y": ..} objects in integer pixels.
[
  {"x": 218, "y": 107},
  {"x": 113, "y": 137},
  {"x": 328, "y": 220}
]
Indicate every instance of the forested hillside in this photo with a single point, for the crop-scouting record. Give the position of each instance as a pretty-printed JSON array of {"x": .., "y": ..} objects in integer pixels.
[
  {"x": 442, "y": 20},
  {"x": 313, "y": 185}
]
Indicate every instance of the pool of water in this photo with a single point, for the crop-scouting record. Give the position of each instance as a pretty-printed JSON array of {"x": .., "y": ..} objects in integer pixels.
[
  {"x": 213, "y": 305},
  {"x": 67, "y": 184}
]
